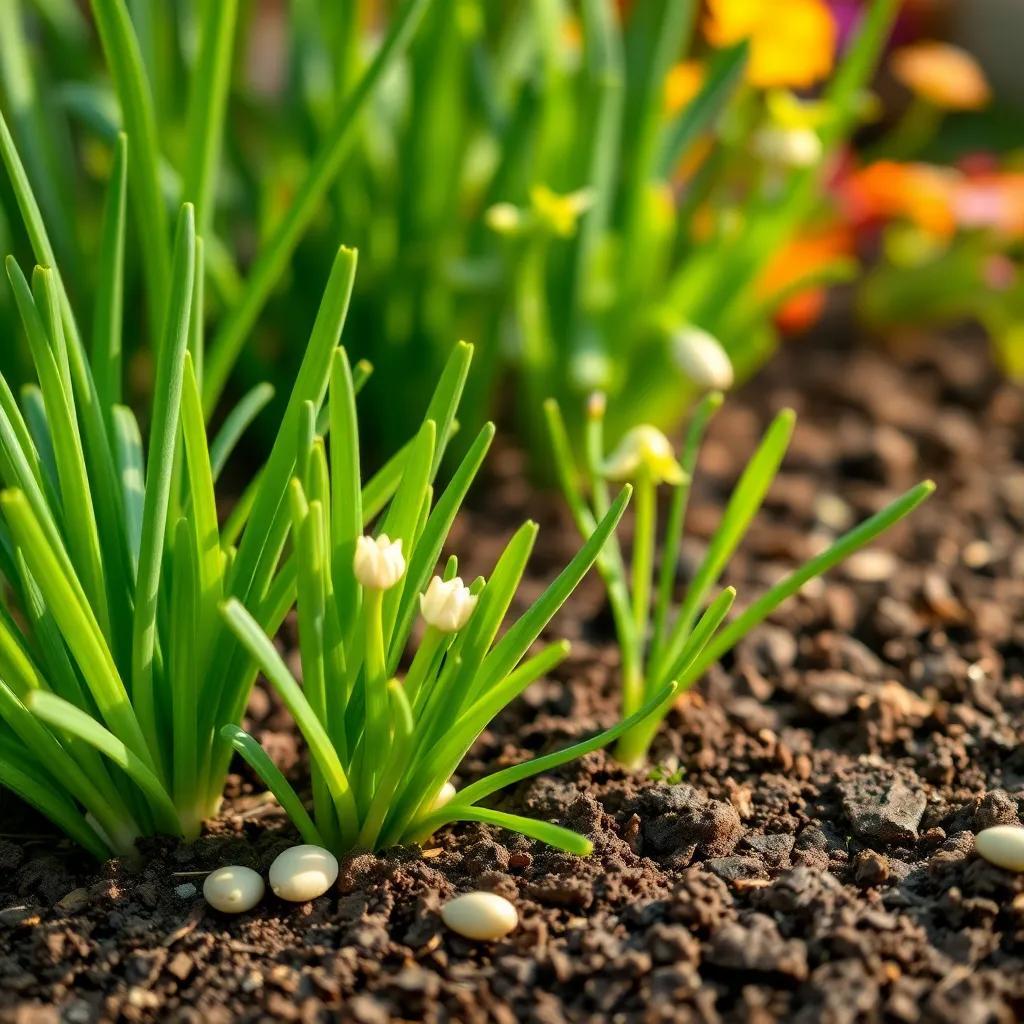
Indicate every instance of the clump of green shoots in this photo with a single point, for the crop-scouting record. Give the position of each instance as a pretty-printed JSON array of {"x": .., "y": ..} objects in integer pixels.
[
  {"x": 116, "y": 670},
  {"x": 662, "y": 640},
  {"x": 384, "y": 743}
]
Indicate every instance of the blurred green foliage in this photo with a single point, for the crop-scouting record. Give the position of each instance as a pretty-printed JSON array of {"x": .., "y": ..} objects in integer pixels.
[{"x": 511, "y": 173}]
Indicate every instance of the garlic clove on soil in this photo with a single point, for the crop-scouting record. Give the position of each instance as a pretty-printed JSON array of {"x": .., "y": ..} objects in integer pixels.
[
  {"x": 302, "y": 873},
  {"x": 480, "y": 915},
  {"x": 233, "y": 889},
  {"x": 1002, "y": 845}
]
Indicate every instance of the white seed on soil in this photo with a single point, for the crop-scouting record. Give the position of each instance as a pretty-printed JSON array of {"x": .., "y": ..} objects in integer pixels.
[
  {"x": 444, "y": 796},
  {"x": 480, "y": 915},
  {"x": 1002, "y": 845},
  {"x": 233, "y": 889},
  {"x": 302, "y": 873}
]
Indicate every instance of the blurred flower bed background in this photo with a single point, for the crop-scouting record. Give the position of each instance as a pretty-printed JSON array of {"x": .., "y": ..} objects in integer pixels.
[{"x": 602, "y": 195}]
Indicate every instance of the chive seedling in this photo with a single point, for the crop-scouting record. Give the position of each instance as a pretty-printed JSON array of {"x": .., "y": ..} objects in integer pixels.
[
  {"x": 116, "y": 670},
  {"x": 659, "y": 639},
  {"x": 384, "y": 743}
]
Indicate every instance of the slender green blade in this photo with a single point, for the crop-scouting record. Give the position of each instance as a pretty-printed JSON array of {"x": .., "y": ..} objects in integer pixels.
[
  {"x": 124, "y": 59},
  {"x": 207, "y": 105},
  {"x": 53, "y": 806},
  {"x": 839, "y": 550},
  {"x": 159, "y": 473},
  {"x": 236, "y": 423},
  {"x": 262, "y": 651},
  {"x": 108, "y": 313},
  {"x": 724, "y": 76},
  {"x": 325, "y": 166},
  {"x": 516, "y": 642},
  {"x": 66, "y": 717},
  {"x": 257, "y": 759},
  {"x": 743, "y": 505}
]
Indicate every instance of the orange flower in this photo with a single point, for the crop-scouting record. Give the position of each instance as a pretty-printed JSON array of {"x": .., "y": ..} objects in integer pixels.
[
  {"x": 682, "y": 83},
  {"x": 797, "y": 260},
  {"x": 944, "y": 75},
  {"x": 920, "y": 193},
  {"x": 792, "y": 42}
]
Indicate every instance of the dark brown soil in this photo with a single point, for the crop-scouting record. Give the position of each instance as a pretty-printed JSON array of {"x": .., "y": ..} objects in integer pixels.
[{"x": 813, "y": 862}]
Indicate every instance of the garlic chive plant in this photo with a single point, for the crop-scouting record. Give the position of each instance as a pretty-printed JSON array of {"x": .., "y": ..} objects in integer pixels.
[
  {"x": 662, "y": 640},
  {"x": 387, "y": 731},
  {"x": 117, "y": 672}
]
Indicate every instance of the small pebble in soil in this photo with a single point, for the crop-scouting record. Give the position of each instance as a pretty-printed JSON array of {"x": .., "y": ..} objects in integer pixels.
[
  {"x": 185, "y": 891},
  {"x": 1002, "y": 845},
  {"x": 233, "y": 889},
  {"x": 480, "y": 915},
  {"x": 444, "y": 796},
  {"x": 302, "y": 873}
]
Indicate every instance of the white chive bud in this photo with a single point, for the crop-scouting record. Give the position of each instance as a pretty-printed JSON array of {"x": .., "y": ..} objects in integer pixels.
[
  {"x": 701, "y": 357},
  {"x": 378, "y": 564},
  {"x": 447, "y": 604},
  {"x": 233, "y": 889},
  {"x": 504, "y": 219},
  {"x": 644, "y": 449},
  {"x": 1002, "y": 845},
  {"x": 302, "y": 873},
  {"x": 788, "y": 147},
  {"x": 445, "y": 795},
  {"x": 480, "y": 915}
]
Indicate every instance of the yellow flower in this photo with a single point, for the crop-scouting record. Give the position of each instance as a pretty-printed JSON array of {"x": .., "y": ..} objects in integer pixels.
[
  {"x": 792, "y": 42},
  {"x": 682, "y": 83},
  {"x": 559, "y": 213},
  {"x": 788, "y": 110},
  {"x": 942, "y": 74},
  {"x": 644, "y": 449}
]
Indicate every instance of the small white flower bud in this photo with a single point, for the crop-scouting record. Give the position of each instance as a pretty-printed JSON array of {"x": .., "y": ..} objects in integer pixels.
[
  {"x": 504, "y": 219},
  {"x": 700, "y": 356},
  {"x": 447, "y": 606},
  {"x": 644, "y": 448},
  {"x": 445, "y": 795},
  {"x": 378, "y": 564},
  {"x": 788, "y": 147}
]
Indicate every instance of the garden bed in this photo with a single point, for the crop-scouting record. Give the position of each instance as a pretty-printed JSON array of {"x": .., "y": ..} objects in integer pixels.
[{"x": 809, "y": 855}]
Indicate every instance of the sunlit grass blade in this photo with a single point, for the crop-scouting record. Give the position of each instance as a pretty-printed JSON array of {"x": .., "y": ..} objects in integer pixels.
[
  {"x": 262, "y": 650},
  {"x": 53, "y": 805},
  {"x": 108, "y": 313},
  {"x": 485, "y": 787},
  {"x": 185, "y": 671},
  {"x": 310, "y": 386},
  {"x": 325, "y": 166},
  {"x": 34, "y": 124},
  {"x": 207, "y": 104},
  {"x": 121, "y": 48},
  {"x": 132, "y": 472},
  {"x": 836, "y": 553},
  {"x": 236, "y": 423},
  {"x": 77, "y": 623},
  {"x": 159, "y": 473},
  {"x": 59, "y": 763},
  {"x": 743, "y": 505},
  {"x": 708, "y": 406},
  {"x": 430, "y": 543},
  {"x": 554, "y": 835},
  {"x": 724, "y": 75},
  {"x": 257, "y": 759},
  {"x": 514, "y": 644},
  {"x": 62, "y": 715}
]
